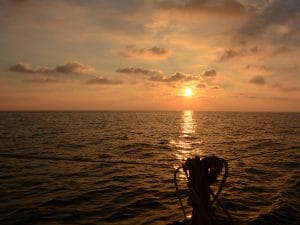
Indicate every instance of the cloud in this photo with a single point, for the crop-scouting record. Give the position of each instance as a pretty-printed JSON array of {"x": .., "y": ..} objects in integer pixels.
[
  {"x": 215, "y": 88},
  {"x": 219, "y": 7},
  {"x": 281, "y": 50},
  {"x": 177, "y": 77},
  {"x": 291, "y": 89},
  {"x": 230, "y": 53},
  {"x": 258, "y": 80},
  {"x": 209, "y": 73},
  {"x": 69, "y": 68},
  {"x": 42, "y": 81},
  {"x": 22, "y": 68},
  {"x": 180, "y": 77},
  {"x": 256, "y": 67},
  {"x": 282, "y": 88},
  {"x": 201, "y": 85},
  {"x": 155, "y": 52},
  {"x": 73, "y": 67},
  {"x": 103, "y": 81},
  {"x": 158, "y": 50},
  {"x": 257, "y": 97},
  {"x": 159, "y": 76},
  {"x": 132, "y": 70},
  {"x": 277, "y": 12}
]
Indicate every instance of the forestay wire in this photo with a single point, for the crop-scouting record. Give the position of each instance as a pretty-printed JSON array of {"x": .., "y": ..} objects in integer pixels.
[{"x": 156, "y": 164}]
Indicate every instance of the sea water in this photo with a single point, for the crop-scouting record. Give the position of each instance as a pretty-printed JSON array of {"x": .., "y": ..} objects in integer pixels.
[{"x": 263, "y": 150}]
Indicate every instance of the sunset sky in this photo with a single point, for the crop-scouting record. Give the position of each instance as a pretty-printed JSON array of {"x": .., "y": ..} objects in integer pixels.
[{"x": 229, "y": 55}]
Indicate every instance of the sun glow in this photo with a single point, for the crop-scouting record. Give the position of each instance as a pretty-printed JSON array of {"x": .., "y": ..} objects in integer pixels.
[{"x": 188, "y": 92}]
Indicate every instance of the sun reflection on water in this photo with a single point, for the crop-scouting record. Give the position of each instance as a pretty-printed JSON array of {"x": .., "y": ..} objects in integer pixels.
[
  {"x": 188, "y": 125},
  {"x": 187, "y": 141}
]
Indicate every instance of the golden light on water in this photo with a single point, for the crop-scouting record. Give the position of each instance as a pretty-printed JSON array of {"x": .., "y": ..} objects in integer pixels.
[
  {"x": 185, "y": 140},
  {"x": 188, "y": 125}
]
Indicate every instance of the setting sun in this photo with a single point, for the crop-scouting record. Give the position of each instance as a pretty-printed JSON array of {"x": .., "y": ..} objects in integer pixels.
[{"x": 188, "y": 92}]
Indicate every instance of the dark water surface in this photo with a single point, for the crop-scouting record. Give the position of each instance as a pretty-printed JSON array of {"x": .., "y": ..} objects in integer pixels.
[{"x": 263, "y": 189}]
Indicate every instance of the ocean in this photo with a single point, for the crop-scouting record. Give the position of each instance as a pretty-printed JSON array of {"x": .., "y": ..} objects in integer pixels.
[{"x": 53, "y": 169}]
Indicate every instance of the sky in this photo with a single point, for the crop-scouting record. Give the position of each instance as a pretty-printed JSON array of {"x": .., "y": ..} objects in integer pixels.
[{"x": 206, "y": 55}]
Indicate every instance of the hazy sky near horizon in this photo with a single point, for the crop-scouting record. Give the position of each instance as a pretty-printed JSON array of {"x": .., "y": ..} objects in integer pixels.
[{"x": 141, "y": 54}]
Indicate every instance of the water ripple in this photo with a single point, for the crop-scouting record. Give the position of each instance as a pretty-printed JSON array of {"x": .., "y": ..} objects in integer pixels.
[{"x": 261, "y": 189}]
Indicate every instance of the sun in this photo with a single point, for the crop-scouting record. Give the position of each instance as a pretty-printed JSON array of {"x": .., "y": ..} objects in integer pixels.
[{"x": 188, "y": 92}]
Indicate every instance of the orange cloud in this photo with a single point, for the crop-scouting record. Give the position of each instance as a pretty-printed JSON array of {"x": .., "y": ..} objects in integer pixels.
[
  {"x": 230, "y": 53},
  {"x": 258, "y": 80},
  {"x": 103, "y": 81},
  {"x": 132, "y": 70},
  {"x": 155, "y": 52},
  {"x": 215, "y": 7},
  {"x": 69, "y": 68},
  {"x": 42, "y": 81},
  {"x": 276, "y": 13},
  {"x": 210, "y": 73}
]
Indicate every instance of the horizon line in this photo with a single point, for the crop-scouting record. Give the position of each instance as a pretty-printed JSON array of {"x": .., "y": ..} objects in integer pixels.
[{"x": 141, "y": 110}]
